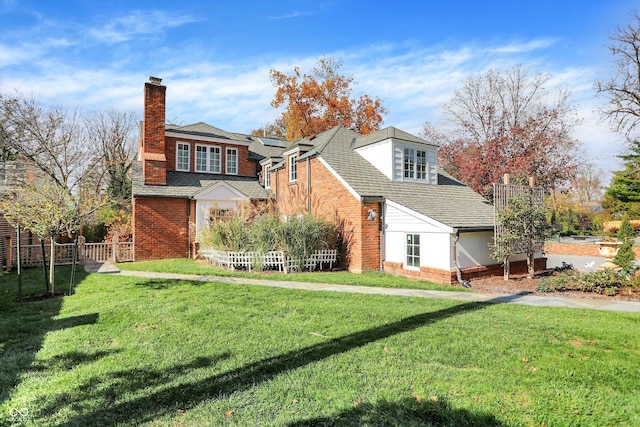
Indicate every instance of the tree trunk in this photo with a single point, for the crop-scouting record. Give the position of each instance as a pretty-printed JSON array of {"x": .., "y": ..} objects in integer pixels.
[
  {"x": 44, "y": 265},
  {"x": 52, "y": 264},
  {"x": 506, "y": 269},
  {"x": 531, "y": 265}
]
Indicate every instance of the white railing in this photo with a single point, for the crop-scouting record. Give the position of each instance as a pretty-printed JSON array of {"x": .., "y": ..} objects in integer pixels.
[
  {"x": 31, "y": 255},
  {"x": 271, "y": 260},
  {"x": 112, "y": 252}
]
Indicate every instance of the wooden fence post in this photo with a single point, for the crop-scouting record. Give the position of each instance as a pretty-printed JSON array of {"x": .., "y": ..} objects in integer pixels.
[{"x": 114, "y": 249}]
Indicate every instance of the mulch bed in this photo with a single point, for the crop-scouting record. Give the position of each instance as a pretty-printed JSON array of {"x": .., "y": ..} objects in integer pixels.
[{"x": 520, "y": 284}]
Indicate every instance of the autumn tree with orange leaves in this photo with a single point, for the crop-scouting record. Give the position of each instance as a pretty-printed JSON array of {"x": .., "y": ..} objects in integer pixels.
[{"x": 319, "y": 101}]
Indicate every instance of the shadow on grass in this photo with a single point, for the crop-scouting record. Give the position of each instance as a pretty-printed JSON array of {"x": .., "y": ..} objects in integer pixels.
[
  {"x": 23, "y": 325},
  {"x": 162, "y": 284},
  {"x": 407, "y": 413},
  {"x": 167, "y": 401},
  {"x": 109, "y": 389}
]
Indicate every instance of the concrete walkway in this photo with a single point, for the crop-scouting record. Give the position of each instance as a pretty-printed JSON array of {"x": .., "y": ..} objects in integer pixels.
[{"x": 524, "y": 299}]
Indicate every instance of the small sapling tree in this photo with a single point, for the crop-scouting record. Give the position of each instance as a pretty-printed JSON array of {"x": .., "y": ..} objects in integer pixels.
[{"x": 626, "y": 257}]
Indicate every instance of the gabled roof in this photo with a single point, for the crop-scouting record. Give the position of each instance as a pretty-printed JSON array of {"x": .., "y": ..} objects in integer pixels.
[
  {"x": 450, "y": 202},
  {"x": 185, "y": 185},
  {"x": 204, "y": 129},
  {"x": 387, "y": 133}
]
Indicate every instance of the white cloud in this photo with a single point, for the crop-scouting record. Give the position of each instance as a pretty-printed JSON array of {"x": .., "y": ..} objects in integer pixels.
[
  {"x": 291, "y": 15},
  {"x": 411, "y": 79},
  {"x": 522, "y": 47},
  {"x": 137, "y": 23}
]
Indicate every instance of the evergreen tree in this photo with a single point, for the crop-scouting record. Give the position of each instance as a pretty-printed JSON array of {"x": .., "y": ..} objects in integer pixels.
[
  {"x": 625, "y": 184},
  {"x": 626, "y": 257}
]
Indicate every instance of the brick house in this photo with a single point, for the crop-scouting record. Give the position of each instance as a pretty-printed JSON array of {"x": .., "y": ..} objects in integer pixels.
[
  {"x": 397, "y": 212},
  {"x": 13, "y": 174}
]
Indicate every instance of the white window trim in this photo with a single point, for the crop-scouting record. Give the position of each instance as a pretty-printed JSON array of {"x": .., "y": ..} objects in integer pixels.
[
  {"x": 188, "y": 168},
  {"x": 414, "y": 164},
  {"x": 406, "y": 264},
  {"x": 208, "y": 157},
  {"x": 293, "y": 168},
  {"x": 267, "y": 176},
  {"x": 226, "y": 161}
]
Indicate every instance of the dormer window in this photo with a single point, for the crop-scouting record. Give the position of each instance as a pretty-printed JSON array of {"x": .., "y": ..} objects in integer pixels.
[
  {"x": 208, "y": 159},
  {"x": 415, "y": 164},
  {"x": 182, "y": 156},
  {"x": 267, "y": 176},
  {"x": 232, "y": 161},
  {"x": 293, "y": 168}
]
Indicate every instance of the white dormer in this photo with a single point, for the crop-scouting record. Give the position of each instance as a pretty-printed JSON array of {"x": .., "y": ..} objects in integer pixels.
[{"x": 400, "y": 156}]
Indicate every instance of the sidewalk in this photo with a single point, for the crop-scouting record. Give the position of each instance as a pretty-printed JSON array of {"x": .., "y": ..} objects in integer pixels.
[{"x": 524, "y": 299}]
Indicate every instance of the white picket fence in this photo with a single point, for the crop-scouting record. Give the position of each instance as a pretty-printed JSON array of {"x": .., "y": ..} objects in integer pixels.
[
  {"x": 270, "y": 260},
  {"x": 31, "y": 255}
]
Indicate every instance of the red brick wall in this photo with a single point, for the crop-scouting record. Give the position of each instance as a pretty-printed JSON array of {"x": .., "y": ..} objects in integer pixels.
[
  {"x": 331, "y": 200},
  {"x": 161, "y": 227},
  {"x": 246, "y": 167},
  {"x": 577, "y": 249},
  {"x": 449, "y": 277},
  {"x": 570, "y": 249},
  {"x": 153, "y": 144}
]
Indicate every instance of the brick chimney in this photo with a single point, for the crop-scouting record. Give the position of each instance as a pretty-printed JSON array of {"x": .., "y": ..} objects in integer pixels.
[{"x": 154, "y": 160}]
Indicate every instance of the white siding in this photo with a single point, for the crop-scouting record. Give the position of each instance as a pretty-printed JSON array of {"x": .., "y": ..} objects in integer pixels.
[
  {"x": 380, "y": 156},
  {"x": 397, "y": 219},
  {"x": 473, "y": 249},
  {"x": 435, "y": 240},
  {"x": 220, "y": 196},
  {"x": 398, "y": 155}
]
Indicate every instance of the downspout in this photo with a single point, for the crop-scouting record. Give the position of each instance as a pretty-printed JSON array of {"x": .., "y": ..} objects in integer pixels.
[
  {"x": 464, "y": 283},
  {"x": 189, "y": 225},
  {"x": 308, "y": 185},
  {"x": 382, "y": 235}
]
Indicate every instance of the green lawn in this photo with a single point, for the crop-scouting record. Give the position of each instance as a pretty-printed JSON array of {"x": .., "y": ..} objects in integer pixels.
[
  {"x": 371, "y": 278},
  {"x": 151, "y": 352}
]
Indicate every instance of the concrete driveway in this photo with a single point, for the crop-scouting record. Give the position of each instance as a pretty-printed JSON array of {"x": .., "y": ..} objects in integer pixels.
[{"x": 581, "y": 263}]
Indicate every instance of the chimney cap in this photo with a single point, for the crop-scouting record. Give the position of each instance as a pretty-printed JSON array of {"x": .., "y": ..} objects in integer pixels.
[{"x": 155, "y": 80}]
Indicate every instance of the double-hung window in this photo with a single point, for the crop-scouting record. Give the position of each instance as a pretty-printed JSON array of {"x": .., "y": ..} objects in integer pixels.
[
  {"x": 232, "y": 161},
  {"x": 267, "y": 177},
  {"x": 409, "y": 163},
  {"x": 413, "y": 250},
  {"x": 415, "y": 164},
  {"x": 293, "y": 168},
  {"x": 208, "y": 159},
  {"x": 182, "y": 156},
  {"x": 421, "y": 164}
]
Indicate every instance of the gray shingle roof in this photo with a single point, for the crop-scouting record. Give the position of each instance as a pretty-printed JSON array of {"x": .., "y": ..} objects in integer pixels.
[
  {"x": 186, "y": 184},
  {"x": 386, "y": 133},
  {"x": 257, "y": 150},
  {"x": 450, "y": 202}
]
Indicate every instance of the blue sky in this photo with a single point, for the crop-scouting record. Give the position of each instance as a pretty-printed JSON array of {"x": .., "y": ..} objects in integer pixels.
[{"x": 215, "y": 56}]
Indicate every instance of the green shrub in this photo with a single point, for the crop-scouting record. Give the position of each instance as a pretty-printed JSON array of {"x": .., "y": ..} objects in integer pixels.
[
  {"x": 302, "y": 235},
  {"x": 607, "y": 282},
  {"x": 229, "y": 234},
  {"x": 264, "y": 231},
  {"x": 299, "y": 236}
]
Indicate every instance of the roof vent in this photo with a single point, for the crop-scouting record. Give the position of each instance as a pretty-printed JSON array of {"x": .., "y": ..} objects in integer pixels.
[{"x": 155, "y": 80}]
